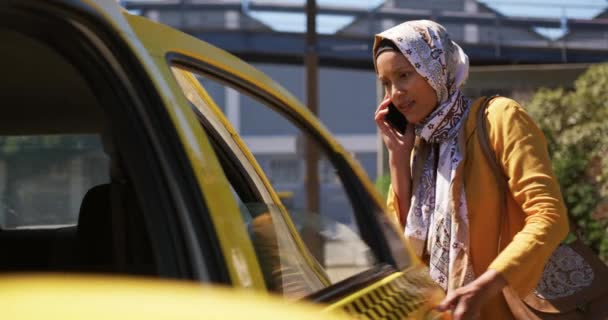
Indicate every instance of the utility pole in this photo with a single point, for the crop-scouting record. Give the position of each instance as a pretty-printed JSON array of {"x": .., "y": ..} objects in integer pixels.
[
  {"x": 381, "y": 151},
  {"x": 311, "y": 235}
]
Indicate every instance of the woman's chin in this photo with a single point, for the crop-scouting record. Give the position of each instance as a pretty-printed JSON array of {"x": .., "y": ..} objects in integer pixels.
[{"x": 414, "y": 120}]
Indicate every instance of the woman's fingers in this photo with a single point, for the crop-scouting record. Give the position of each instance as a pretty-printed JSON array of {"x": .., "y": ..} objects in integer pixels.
[
  {"x": 449, "y": 301},
  {"x": 392, "y": 138},
  {"x": 384, "y": 104},
  {"x": 380, "y": 114},
  {"x": 455, "y": 303},
  {"x": 380, "y": 119},
  {"x": 384, "y": 127}
]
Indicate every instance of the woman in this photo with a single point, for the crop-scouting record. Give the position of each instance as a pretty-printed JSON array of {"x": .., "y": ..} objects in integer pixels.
[{"x": 442, "y": 188}]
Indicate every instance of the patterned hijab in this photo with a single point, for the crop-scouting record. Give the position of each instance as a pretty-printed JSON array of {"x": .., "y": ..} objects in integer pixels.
[{"x": 437, "y": 224}]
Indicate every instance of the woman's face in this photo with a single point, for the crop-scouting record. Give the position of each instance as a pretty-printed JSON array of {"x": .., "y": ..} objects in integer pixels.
[{"x": 408, "y": 91}]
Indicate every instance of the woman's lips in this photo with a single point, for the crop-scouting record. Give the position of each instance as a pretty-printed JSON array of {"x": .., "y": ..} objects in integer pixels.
[{"x": 407, "y": 106}]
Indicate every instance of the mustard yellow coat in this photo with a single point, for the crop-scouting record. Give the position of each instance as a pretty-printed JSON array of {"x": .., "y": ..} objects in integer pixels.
[{"x": 536, "y": 214}]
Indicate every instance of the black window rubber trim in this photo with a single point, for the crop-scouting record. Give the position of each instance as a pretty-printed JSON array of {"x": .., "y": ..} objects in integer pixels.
[
  {"x": 229, "y": 162},
  {"x": 351, "y": 285}
]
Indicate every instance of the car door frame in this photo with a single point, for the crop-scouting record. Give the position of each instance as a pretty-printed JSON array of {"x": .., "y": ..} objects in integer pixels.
[
  {"x": 363, "y": 197},
  {"x": 189, "y": 52},
  {"x": 342, "y": 288},
  {"x": 154, "y": 142}
]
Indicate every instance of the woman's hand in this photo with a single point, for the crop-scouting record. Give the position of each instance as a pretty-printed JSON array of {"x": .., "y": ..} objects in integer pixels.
[
  {"x": 466, "y": 302},
  {"x": 399, "y": 145},
  {"x": 399, "y": 151}
]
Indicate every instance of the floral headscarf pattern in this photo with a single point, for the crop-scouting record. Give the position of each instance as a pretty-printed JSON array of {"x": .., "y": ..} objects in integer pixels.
[{"x": 437, "y": 223}]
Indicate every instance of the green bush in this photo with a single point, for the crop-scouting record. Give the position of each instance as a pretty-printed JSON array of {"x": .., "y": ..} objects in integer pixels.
[
  {"x": 575, "y": 123},
  {"x": 382, "y": 183}
]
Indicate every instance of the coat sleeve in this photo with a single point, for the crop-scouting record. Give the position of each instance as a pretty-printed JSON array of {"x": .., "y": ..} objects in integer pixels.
[{"x": 522, "y": 151}]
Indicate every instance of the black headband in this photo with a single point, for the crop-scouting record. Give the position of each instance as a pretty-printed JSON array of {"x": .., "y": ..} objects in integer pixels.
[{"x": 384, "y": 46}]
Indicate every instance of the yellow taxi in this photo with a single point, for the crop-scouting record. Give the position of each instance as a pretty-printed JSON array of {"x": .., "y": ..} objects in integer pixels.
[
  {"x": 97, "y": 298},
  {"x": 118, "y": 157}
]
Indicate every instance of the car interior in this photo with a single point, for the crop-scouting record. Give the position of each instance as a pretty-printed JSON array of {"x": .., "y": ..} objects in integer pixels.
[{"x": 66, "y": 203}]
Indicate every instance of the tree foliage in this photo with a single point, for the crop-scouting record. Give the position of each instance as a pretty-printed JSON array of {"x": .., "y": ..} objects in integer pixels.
[
  {"x": 575, "y": 123},
  {"x": 382, "y": 184}
]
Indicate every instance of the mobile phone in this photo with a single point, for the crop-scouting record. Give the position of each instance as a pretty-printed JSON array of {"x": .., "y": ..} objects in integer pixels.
[{"x": 396, "y": 119}]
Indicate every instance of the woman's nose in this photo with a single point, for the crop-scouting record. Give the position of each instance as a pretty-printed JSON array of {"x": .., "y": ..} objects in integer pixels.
[{"x": 397, "y": 92}]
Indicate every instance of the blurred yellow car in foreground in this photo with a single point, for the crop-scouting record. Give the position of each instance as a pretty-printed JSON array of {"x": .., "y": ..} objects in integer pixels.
[
  {"x": 70, "y": 298},
  {"x": 117, "y": 156}
]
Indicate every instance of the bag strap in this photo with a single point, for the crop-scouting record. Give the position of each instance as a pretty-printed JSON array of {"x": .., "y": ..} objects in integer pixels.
[
  {"x": 490, "y": 155},
  {"x": 484, "y": 142}
]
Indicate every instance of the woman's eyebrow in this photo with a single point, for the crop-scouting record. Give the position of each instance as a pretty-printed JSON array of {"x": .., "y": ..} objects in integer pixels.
[
  {"x": 381, "y": 78},
  {"x": 397, "y": 70},
  {"x": 403, "y": 68}
]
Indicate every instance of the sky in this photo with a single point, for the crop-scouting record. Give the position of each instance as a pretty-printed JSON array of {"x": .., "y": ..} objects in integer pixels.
[
  {"x": 326, "y": 24},
  {"x": 577, "y": 9},
  {"x": 580, "y": 9}
]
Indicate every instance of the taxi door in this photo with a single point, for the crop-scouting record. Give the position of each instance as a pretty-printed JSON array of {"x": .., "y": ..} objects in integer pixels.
[
  {"x": 334, "y": 245},
  {"x": 158, "y": 149}
]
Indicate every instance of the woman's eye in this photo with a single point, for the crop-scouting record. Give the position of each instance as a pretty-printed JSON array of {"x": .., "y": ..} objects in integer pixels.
[{"x": 405, "y": 74}]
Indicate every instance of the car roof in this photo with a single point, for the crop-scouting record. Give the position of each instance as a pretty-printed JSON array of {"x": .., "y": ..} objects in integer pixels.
[{"x": 103, "y": 297}]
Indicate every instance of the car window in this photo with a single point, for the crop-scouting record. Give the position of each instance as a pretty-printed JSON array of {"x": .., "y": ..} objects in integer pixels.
[
  {"x": 43, "y": 178},
  {"x": 287, "y": 267},
  {"x": 331, "y": 235},
  {"x": 68, "y": 202}
]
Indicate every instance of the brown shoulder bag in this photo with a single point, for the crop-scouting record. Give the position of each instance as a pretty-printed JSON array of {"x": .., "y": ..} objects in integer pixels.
[{"x": 574, "y": 283}]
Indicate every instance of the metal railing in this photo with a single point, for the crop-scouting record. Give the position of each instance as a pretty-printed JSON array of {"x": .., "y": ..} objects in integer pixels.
[{"x": 495, "y": 34}]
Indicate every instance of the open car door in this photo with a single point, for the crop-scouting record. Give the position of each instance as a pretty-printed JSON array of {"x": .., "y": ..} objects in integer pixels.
[{"x": 346, "y": 253}]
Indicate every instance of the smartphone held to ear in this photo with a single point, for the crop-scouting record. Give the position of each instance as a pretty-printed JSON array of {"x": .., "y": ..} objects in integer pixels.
[{"x": 396, "y": 119}]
